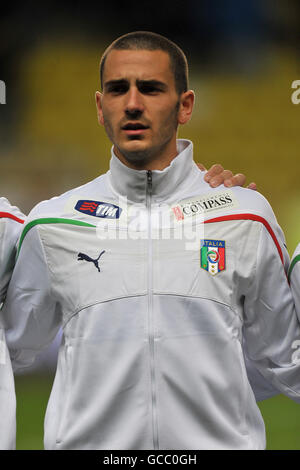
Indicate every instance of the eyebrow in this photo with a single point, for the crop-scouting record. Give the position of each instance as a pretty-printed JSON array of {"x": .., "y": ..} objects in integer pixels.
[
  {"x": 154, "y": 83},
  {"x": 112, "y": 83}
]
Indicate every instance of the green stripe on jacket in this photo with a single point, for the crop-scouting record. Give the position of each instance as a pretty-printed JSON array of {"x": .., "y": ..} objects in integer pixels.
[{"x": 49, "y": 220}]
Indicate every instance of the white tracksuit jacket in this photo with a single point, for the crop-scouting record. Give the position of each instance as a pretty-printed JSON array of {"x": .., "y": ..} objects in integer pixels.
[
  {"x": 11, "y": 222},
  {"x": 294, "y": 275},
  {"x": 156, "y": 279}
]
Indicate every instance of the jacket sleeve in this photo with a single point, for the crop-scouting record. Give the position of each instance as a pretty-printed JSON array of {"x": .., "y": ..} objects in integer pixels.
[
  {"x": 271, "y": 326},
  {"x": 261, "y": 387},
  {"x": 30, "y": 312},
  {"x": 294, "y": 277},
  {"x": 11, "y": 224}
]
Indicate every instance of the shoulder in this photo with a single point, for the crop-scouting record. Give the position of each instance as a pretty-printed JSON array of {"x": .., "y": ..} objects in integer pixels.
[
  {"x": 223, "y": 201},
  {"x": 61, "y": 210},
  {"x": 224, "y": 204},
  {"x": 63, "y": 205},
  {"x": 11, "y": 225},
  {"x": 297, "y": 252},
  {"x": 254, "y": 203},
  {"x": 252, "y": 206},
  {"x": 7, "y": 211}
]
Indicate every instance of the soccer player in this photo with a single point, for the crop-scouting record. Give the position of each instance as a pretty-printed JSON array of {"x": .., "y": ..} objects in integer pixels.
[
  {"x": 11, "y": 222},
  {"x": 157, "y": 280}
]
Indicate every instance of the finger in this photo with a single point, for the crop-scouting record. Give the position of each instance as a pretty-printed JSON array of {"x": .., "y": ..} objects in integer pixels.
[
  {"x": 201, "y": 167},
  {"x": 213, "y": 171},
  {"x": 236, "y": 180},
  {"x": 252, "y": 186},
  {"x": 219, "y": 179}
]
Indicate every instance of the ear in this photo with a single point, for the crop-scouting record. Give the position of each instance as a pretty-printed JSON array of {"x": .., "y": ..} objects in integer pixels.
[
  {"x": 187, "y": 100},
  {"x": 98, "y": 97}
]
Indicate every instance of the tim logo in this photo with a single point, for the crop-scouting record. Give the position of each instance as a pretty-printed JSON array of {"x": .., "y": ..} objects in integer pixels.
[
  {"x": 2, "y": 92},
  {"x": 105, "y": 210}
]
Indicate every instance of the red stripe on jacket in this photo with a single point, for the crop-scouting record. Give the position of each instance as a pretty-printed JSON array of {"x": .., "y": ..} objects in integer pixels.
[
  {"x": 7, "y": 215},
  {"x": 256, "y": 218}
]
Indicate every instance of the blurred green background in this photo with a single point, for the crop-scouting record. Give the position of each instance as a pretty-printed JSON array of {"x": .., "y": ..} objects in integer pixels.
[{"x": 243, "y": 56}]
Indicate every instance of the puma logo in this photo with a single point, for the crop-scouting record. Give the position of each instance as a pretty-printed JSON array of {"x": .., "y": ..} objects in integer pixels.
[{"x": 84, "y": 257}]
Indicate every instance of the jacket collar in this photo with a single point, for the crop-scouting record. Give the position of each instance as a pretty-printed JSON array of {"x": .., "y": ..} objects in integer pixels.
[{"x": 133, "y": 183}]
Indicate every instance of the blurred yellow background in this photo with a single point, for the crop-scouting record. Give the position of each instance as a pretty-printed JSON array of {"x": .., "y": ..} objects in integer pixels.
[{"x": 249, "y": 124}]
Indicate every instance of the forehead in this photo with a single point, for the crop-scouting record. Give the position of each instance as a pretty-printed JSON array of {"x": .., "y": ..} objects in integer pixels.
[{"x": 138, "y": 64}]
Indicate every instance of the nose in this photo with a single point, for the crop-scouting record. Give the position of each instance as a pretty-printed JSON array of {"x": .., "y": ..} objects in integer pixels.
[{"x": 134, "y": 104}]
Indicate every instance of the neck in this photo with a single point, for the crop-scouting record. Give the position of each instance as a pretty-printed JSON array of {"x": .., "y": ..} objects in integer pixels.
[{"x": 130, "y": 183}]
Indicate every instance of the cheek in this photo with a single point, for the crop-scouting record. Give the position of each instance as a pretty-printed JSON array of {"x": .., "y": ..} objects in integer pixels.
[
  {"x": 108, "y": 118},
  {"x": 110, "y": 111},
  {"x": 167, "y": 121}
]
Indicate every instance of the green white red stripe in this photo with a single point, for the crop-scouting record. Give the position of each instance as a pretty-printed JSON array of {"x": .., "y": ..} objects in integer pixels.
[{"x": 212, "y": 256}]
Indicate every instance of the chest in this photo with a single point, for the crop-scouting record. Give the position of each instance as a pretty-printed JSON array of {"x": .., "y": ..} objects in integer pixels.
[{"x": 90, "y": 265}]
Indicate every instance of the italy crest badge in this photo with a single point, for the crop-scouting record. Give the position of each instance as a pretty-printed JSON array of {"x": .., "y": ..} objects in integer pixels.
[{"x": 212, "y": 256}]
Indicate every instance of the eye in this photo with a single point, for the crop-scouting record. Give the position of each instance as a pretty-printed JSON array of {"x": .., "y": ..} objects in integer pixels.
[
  {"x": 119, "y": 90},
  {"x": 149, "y": 89}
]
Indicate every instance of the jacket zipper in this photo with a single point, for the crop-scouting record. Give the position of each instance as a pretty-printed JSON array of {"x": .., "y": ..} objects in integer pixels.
[{"x": 150, "y": 311}]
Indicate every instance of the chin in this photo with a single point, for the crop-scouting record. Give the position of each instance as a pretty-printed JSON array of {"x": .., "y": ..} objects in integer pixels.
[
  {"x": 136, "y": 154},
  {"x": 135, "y": 146}
]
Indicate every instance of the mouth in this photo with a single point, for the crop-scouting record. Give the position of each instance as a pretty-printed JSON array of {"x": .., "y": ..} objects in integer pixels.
[{"x": 134, "y": 128}]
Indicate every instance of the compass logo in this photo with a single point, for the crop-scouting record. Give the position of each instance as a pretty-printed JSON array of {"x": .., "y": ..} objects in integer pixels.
[{"x": 2, "y": 92}]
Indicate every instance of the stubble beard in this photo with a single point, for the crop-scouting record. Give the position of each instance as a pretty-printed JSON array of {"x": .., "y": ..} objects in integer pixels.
[
  {"x": 140, "y": 158},
  {"x": 143, "y": 157}
]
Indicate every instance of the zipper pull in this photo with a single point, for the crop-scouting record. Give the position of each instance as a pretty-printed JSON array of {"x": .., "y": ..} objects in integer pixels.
[{"x": 149, "y": 179}]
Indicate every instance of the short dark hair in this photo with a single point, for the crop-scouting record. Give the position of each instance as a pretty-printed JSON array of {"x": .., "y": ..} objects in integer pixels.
[{"x": 146, "y": 40}]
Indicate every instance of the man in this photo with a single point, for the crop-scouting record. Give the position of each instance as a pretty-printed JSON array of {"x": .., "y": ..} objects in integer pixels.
[
  {"x": 11, "y": 222},
  {"x": 156, "y": 279}
]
